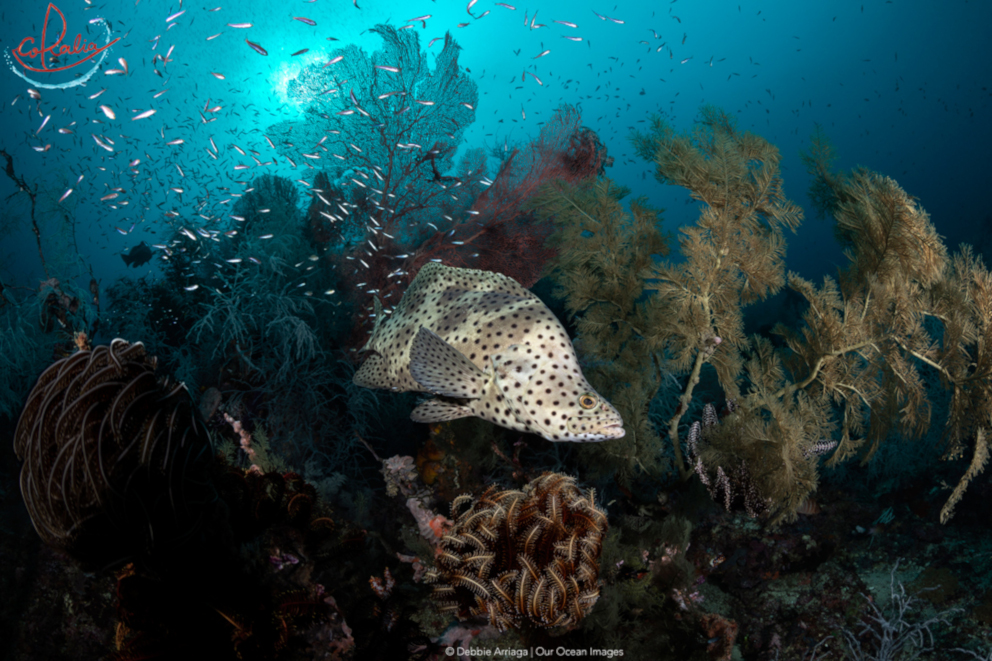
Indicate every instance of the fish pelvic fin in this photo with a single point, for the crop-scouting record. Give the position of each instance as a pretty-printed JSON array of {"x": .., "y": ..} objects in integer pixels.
[
  {"x": 439, "y": 410},
  {"x": 442, "y": 369}
]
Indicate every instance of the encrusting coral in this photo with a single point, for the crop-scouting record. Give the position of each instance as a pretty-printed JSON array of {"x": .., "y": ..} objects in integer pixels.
[{"x": 522, "y": 558}]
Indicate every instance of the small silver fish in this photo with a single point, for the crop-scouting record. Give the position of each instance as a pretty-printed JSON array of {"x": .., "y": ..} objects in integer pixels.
[{"x": 488, "y": 348}]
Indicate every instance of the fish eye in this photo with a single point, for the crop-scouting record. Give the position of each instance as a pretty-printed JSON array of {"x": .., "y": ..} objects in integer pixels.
[{"x": 587, "y": 400}]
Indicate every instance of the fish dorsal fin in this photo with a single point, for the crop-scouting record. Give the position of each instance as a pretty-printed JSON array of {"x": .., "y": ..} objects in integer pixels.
[
  {"x": 377, "y": 309},
  {"x": 432, "y": 273},
  {"x": 438, "y": 410},
  {"x": 443, "y": 369}
]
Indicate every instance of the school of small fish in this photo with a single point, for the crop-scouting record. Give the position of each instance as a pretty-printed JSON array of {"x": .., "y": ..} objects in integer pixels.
[
  {"x": 139, "y": 201},
  {"x": 185, "y": 180}
]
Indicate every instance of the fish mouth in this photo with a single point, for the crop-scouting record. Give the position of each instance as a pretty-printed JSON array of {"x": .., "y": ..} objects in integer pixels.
[
  {"x": 615, "y": 430},
  {"x": 598, "y": 429}
]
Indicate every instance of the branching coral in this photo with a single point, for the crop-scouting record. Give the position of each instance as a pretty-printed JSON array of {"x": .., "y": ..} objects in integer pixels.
[
  {"x": 862, "y": 343},
  {"x": 866, "y": 342},
  {"x": 855, "y": 361},
  {"x": 734, "y": 255},
  {"x": 522, "y": 558},
  {"x": 563, "y": 151}
]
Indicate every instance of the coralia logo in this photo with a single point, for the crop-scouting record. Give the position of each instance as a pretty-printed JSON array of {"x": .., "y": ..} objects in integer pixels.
[{"x": 59, "y": 54}]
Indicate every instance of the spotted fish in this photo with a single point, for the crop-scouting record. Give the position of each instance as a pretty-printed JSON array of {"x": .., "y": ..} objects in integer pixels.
[{"x": 486, "y": 347}]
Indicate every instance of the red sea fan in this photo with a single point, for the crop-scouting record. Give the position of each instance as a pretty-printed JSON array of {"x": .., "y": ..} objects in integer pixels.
[
  {"x": 499, "y": 235},
  {"x": 508, "y": 242},
  {"x": 515, "y": 248}
]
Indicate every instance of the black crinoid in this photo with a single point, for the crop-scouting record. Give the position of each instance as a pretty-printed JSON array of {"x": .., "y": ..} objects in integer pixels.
[
  {"x": 522, "y": 558},
  {"x": 114, "y": 456}
]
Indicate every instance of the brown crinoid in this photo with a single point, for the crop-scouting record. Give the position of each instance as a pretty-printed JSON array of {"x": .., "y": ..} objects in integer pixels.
[
  {"x": 113, "y": 455},
  {"x": 522, "y": 557}
]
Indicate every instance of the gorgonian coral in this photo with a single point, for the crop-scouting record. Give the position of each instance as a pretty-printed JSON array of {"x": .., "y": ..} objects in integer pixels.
[{"x": 522, "y": 558}]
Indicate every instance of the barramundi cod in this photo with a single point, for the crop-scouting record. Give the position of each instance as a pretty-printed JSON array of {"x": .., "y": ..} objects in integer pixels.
[{"x": 486, "y": 347}]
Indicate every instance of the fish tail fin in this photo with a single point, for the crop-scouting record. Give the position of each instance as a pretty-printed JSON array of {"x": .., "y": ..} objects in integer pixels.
[{"x": 373, "y": 372}]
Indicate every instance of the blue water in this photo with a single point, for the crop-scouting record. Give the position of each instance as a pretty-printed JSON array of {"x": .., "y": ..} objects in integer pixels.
[{"x": 899, "y": 87}]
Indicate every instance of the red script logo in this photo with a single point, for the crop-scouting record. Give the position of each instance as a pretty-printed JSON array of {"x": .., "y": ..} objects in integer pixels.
[{"x": 57, "y": 50}]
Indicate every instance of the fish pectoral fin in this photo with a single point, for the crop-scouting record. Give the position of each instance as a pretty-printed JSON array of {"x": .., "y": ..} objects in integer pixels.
[
  {"x": 439, "y": 410},
  {"x": 442, "y": 369}
]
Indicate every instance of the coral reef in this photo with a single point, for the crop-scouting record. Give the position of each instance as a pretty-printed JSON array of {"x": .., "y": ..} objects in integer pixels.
[
  {"x": 235, "y": 555},
  {"x": 895, "y": 632},
  {"x": 253, "y": 589},
  {"x": 222, "y": 562},
  {"x": 522, "y": 558}
]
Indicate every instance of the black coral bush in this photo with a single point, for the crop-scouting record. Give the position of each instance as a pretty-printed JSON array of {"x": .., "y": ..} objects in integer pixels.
[{"x": 854, "y": 368}]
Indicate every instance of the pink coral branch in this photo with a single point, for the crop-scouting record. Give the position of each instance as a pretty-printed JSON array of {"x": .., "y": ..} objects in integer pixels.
[{"x": 245, "y": 439}]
